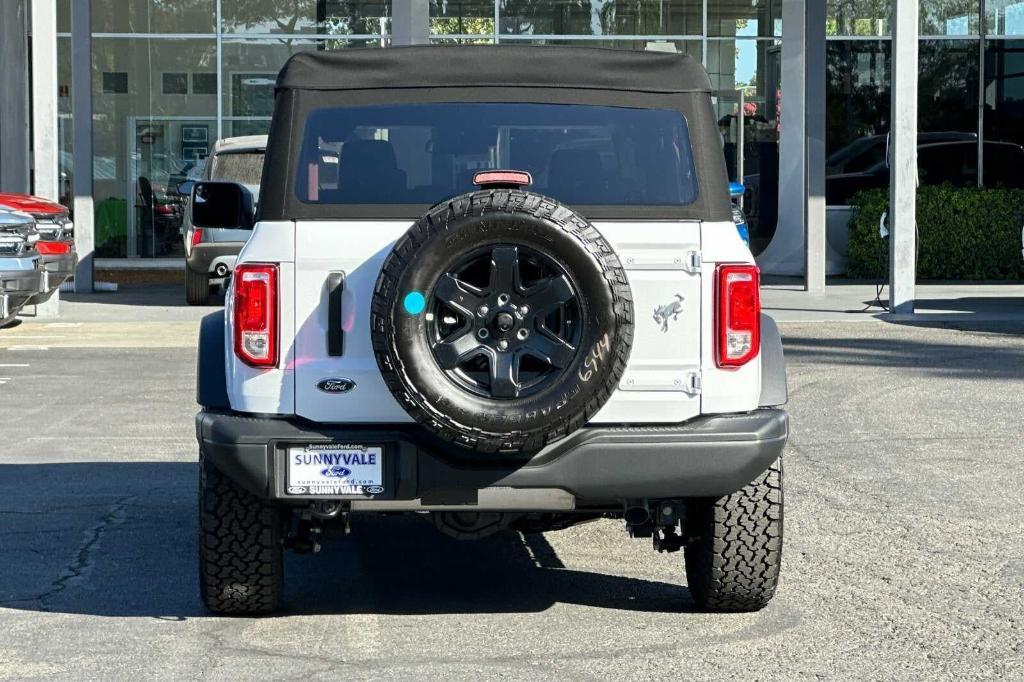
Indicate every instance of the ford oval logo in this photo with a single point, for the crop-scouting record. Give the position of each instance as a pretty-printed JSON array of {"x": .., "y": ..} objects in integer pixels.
[
  {"x": 335, "y": 471},
  {"x": 336, "y": 385}
]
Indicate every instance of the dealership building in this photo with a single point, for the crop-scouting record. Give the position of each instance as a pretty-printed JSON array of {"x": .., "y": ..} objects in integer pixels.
[{"x": 802, "y": 91}]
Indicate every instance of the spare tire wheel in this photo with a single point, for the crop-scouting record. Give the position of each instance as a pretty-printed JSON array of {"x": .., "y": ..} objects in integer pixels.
[{"x": 502, "y": 321}]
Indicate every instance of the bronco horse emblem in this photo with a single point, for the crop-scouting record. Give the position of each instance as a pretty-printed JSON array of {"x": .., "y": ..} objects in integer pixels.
[{"x": 669, "y": 311}]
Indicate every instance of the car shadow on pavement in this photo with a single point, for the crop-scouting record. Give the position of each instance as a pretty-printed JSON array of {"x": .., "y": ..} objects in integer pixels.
[
  {"x": 959, "y": 357},
  {"x": 119, "y": 539}
]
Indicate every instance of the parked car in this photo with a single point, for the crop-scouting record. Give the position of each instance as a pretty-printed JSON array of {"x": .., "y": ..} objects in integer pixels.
[
  {"x": 938, "y": 162},
  {"x": 20, "y": 271},
  {"x": 519, "y": 311},
  {"x": 56, "y": 245},
  {"x": 210, "y": 252}
]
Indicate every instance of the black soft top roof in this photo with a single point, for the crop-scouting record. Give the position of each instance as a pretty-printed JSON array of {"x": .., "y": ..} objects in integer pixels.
[{"x": 452, "y": 66}]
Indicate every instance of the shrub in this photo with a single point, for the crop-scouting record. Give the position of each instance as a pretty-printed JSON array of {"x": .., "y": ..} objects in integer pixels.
[{"x": 963, "y": 233}]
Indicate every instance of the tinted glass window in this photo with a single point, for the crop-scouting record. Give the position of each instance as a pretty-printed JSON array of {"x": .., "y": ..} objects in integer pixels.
[
  {"x": 243, "y": 167},
  {"x": 425, "y": 153}
]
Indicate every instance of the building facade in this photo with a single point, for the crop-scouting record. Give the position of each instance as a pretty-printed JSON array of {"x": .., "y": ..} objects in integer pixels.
[{"x": 170, "y": 77}]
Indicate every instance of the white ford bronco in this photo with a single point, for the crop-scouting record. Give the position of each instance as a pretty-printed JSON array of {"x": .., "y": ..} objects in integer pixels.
[{"x": 499, "y": 287}]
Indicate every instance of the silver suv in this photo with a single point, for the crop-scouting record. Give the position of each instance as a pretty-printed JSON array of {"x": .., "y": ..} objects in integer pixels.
[{"x": 210, "y": 252}]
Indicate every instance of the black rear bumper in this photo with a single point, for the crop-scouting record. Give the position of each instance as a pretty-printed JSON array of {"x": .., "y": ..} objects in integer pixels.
[{"x": 599, "y": 467}]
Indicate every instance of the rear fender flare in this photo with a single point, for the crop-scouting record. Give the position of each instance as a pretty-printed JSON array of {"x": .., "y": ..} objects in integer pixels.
[{"x": 774, "y": 389}]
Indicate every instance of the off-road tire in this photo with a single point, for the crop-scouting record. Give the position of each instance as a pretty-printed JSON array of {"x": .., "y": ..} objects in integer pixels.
[
  {"x": 197, "y": 287},
  {"x": 735, "y": 549},
  {"x": 241, "y": 562},
  {"x": 457, "y": 226}
]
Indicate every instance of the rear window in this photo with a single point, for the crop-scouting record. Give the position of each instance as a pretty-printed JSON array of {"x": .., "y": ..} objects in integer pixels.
[
  {"x": 425, "y": 153},
  {"x": 244, "y": 167}
]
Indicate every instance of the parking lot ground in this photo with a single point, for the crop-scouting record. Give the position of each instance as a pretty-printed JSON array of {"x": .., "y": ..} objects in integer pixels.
[{"x": 903, "y": 555}]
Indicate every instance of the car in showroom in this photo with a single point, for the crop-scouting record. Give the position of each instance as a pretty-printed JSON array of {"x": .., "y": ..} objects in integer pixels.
[
  {"x": 496, "y": 287},
  {"x": 56, "y": 245},
  {"x": 20, "y": 271},
  {"x": 210, "y": 252}
]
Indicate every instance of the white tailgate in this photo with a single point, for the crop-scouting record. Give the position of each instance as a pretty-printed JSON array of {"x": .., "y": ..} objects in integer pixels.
[
  {"x": 357, "y": 248},
  {"x": 661, "y": 381}
]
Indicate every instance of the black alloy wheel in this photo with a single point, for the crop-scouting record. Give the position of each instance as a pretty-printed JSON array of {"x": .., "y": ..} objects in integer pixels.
[{"x": 505, "y": 321}]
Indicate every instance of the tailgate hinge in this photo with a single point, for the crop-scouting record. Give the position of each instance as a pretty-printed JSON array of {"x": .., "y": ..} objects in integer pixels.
[
  {"x": 692, "y": 383},
  {"x": 692, "y": 262}
]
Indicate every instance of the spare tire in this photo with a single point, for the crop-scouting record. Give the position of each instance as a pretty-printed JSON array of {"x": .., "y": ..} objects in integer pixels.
[{"x": 502, "y": 321}]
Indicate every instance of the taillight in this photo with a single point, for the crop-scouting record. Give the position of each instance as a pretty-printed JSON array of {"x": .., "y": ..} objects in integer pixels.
[
  {"x": 255, "y": 314},
  {"x": 197, "y": 236},
  {"x": 738, "y": 315},
  {"x": 53, "y": 248}
]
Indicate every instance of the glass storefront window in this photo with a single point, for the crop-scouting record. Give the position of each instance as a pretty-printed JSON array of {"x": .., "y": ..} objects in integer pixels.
[
  {"x": 249, "y": 71},
  {"x": 857, "y": 114},
  {"x": 857, "y": 17},
  {"x": 949, "y": 17},
  {"x": 594, "y": 17},
  {"x": 462, "y": 17},
  {"x": 857, "y": 96},
  {"x": 145, "y": 141},
  {"x": 154, "y": 16},
  {"x": 745, "y": 75},
  {"x": 1004, "y": 17},
  {"x": 1004, "y": 113},
  {"x": 330, "y": 17},
  {"x": 745, "y": 18},
  {"x": 690, "y": 47}
]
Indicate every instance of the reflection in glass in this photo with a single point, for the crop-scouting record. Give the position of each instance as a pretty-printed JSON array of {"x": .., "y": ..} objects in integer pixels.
[
  {"x": 857, "y": 17},
  {"x": 857, "y": 96},
  {"x": 597, "y": 17},
  {"x": 949, "y": 17},
  {"x": 748, "y": 72},
  {"x": 153, "y": 16},
  {"x": 1004, "y": 111},
  {"x": 331, "y": 17},
  {"x": 462, "y": 17},
  {"x": 746, "y": 18},
  {"x": 1004, "y": 17}
]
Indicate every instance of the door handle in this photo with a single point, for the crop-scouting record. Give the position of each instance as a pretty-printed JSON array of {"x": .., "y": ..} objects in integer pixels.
[{"x": 335, "y": 332}]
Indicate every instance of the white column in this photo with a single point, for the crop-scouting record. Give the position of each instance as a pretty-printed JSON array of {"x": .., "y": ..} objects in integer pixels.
[
  {"x": 799, "y": 239},
  {"x": 45, "y": 143},
  {"x": 410, "y": 22},
  {"x": 814, "y": 117},
  {"x": 903, "y": 155},
  {"x": 14, "y": 97},
  {"x": 81, "y": 113}
]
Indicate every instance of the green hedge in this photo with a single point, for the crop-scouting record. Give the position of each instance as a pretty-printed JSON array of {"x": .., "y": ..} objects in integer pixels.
[{"x": 963, "y": 233}]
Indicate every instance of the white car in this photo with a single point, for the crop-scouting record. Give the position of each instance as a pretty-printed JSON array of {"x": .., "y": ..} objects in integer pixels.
[{"x": 500, "y": 287}]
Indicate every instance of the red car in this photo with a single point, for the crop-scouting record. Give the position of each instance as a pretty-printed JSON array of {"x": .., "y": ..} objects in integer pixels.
[{"x": 56, "y": 243}]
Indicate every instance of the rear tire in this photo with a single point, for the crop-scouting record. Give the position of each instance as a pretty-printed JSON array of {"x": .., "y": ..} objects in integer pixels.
[
  {"x": 241, "y": 558},
  {"x": 197, "y": 287},
  {"x": 735, "y": 553}
]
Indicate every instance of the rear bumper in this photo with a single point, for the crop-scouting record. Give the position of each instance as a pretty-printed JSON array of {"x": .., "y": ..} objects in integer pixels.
[
  {"x": 596, "y": 468},
  {"x": 206, "y": 256}
]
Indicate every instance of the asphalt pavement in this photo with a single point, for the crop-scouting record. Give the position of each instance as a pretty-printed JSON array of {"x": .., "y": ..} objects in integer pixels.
[{"x": 903, "y": 556}]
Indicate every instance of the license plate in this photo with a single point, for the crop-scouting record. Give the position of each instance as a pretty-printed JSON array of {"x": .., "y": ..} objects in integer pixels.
[{"x": 333, "y": 469}]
